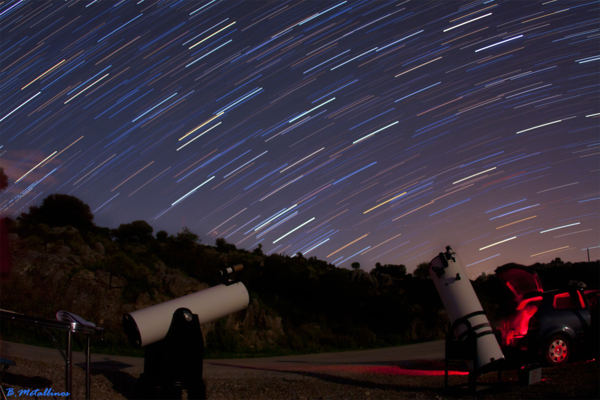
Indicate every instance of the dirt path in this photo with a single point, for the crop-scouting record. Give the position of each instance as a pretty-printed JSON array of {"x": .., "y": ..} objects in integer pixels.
[{"x": 406, "y": 372}]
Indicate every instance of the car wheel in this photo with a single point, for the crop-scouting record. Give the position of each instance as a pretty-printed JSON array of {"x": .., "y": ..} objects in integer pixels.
[{"x": 557, "y": 350}]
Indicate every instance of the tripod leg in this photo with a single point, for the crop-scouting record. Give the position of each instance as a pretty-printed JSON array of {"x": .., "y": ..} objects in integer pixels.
[{"x": 472, "y": 381}]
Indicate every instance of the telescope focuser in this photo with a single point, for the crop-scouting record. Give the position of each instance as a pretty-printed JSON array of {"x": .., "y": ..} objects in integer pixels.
[
  {"x": 444, "y": 257},
  {"x": 578, "y": 284},
  {"x": 228, "y": 274}
]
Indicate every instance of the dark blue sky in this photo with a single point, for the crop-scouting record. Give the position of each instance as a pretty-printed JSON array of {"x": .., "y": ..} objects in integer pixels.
[{"x": 370, "y": 131}]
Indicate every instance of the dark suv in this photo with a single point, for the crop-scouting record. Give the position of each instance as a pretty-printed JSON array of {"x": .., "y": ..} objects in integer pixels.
[{"x": 550, "y": 325}]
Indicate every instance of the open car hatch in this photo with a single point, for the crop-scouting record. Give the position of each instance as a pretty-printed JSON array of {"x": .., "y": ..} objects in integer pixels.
[
  {"x": 522, "y": 281},
  {"x": 526, "y": 288}
]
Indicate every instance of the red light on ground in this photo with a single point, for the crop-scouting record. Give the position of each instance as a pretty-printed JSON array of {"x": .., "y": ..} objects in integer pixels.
[
  {"x": 384, "y": 370},
  {"x": 411, "y": 372}
]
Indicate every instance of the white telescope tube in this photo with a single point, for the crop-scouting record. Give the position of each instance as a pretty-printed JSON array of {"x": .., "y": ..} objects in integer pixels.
[
  {"x": 151, "y": 324},
  {"x": 460, "y": 300}
]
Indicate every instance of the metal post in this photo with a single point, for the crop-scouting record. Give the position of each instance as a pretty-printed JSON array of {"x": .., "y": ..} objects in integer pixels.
[
  {"x": 87, "y": 368},
  {"x": 69, "y": 382}
]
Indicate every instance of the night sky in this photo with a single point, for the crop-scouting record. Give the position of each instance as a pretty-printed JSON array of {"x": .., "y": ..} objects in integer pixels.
[{"x": 369, "y": 131}]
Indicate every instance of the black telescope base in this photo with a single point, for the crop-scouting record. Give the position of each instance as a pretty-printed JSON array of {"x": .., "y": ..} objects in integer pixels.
[
  {"x": 466, "y": 350},
  {"x": 175, "y": 362}
]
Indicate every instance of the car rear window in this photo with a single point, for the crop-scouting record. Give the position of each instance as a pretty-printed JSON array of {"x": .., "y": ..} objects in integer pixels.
[{"x": 566, "y": 300}]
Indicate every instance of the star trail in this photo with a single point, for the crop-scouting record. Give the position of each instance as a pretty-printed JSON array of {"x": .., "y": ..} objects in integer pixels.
[{"x": 369, "y": 131}]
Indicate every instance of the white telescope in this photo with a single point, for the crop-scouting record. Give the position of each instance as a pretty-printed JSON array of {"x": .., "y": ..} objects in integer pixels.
[
  {"x": 151, "y": 324},
  {"x": 464, "y": 309}
]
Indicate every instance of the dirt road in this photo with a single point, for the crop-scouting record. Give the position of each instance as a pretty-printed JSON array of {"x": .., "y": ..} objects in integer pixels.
[{"x": 406, "y": 372}]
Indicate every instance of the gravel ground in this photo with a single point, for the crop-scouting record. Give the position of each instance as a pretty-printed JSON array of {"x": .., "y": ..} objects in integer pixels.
[{"x": 403, "y": 380}]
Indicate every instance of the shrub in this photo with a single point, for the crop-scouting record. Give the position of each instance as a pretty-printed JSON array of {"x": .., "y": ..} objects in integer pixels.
[
  {"x": 60, "y": 210},
  {"x": 135, "y": 232}
]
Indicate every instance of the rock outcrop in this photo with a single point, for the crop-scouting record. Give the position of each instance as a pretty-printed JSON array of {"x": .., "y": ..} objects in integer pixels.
[{"x": 47, "y": 277}]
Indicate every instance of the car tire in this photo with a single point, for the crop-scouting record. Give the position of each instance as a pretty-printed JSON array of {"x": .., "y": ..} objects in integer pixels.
[{"x": 557, "y": 350}]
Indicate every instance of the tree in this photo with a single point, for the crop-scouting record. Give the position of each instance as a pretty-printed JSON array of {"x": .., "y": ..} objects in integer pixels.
[
  {"x": 258, "y": 250},
  {"x": 60, "y": 210},
  {"x": 556, "y": 261},
  {"x": 422, "y": 271},
  {"x": 395, "y": 271},
  {"x": 135, "y": 232},
  {"x": 162, "y": 236},
  {"x": 182, "y": 251},
  {"x": 3, "y": 179},
  {"x": 5, "y": 258},
  {"x": 223, "y": 246},
  {"x": 356, "y": 265},
  {"x": 187, "y": 238}
]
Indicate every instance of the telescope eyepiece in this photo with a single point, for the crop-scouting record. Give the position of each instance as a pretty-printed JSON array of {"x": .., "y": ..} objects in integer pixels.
[
  {"x": 228, "y": 274},
  {"x": 231, "y": 270}
]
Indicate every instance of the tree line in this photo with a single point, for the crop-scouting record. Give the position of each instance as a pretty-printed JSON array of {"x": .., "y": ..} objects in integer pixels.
[{"x": 323, "y": 307}]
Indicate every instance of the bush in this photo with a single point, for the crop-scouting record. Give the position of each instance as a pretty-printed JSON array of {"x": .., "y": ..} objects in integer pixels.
[
  {"x": 422, "y": 271},
  {"x": 395, "y": 271},
  {"x": 162, "y": 236},
  {"x": 135, "y": 232},
  {"x": 3, "y": 179},
  {"x": 60, "y": 210}
]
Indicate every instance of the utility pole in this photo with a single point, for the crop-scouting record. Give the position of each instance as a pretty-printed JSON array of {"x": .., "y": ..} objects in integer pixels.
[{"x": 588, "y": 254}]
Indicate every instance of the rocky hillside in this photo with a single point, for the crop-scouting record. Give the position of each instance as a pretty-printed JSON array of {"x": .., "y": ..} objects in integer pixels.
[
  {"x": 296, "y": 304},
  {"x": 61, "y": 272}
]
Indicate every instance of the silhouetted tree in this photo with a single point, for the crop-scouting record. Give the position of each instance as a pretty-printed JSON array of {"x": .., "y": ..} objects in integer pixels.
[
  {"x": 135, "y": 232},
  {"x": 5, "y": 258},
  {"x": 395, "y": 271},
  {"x": 223, "y": 246},
  {"x": 186, "y": 237},
  {"x": 356, "y": 265},
  {"x": 258, "y": 250},
  {"x": 60, "y": 210},
  {"x": 103, "y": 232},
  {"x": 162, "y": 236},
  {"x": 3, "y": 179},
  {"x": 181, "y": 250},
  {"x": 422, "y": 271}
]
